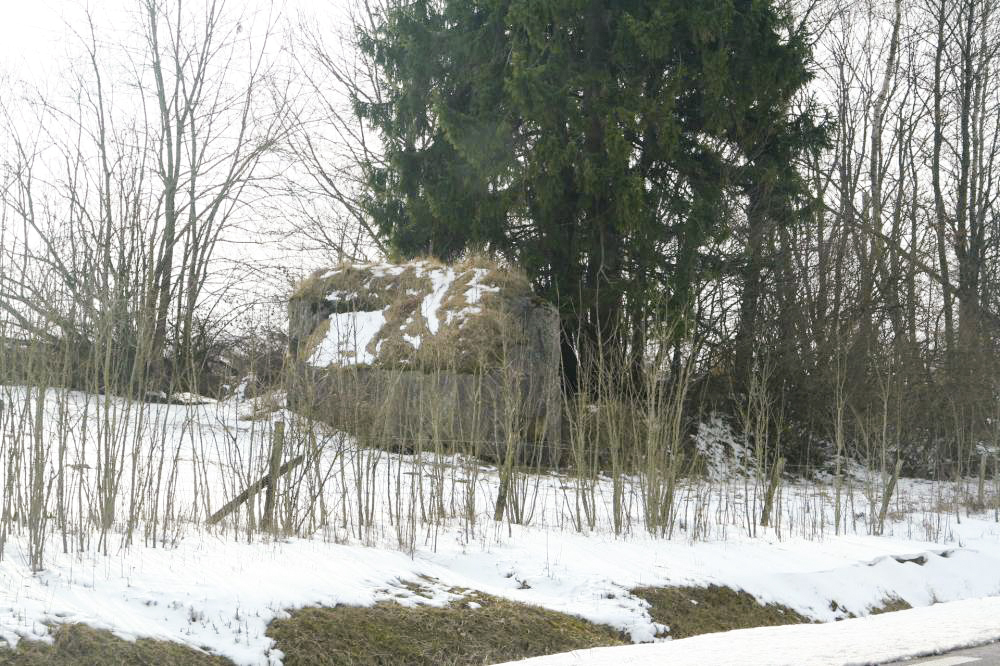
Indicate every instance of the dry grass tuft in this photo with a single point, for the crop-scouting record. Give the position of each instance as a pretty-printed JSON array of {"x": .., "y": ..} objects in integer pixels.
[
  {"x": 469, "y": 337},
  {"x": 690, "y": 611},
  {"x": 388, "y": 633},
  {"x": 80, "y": 645},
  {"x": 890, "y": 605}
]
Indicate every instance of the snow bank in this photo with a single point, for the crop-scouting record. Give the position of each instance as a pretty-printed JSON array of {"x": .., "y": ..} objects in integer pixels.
[
  {"x": 219, "y": 594},
  {"x": 208, "y": 588},
  {"x": 875, "y": 639}
]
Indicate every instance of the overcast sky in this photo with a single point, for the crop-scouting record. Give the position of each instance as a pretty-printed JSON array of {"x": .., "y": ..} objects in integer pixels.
[
  {"x": 38, "y": 48},
  {"x": 36, "y": 35},
  {"x": 31, "y": 33}
]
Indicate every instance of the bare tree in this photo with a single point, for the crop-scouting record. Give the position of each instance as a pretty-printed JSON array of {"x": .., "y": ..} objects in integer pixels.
[
  {"x": 126, "y": 205},
  {"x": 329, "y": 142}
]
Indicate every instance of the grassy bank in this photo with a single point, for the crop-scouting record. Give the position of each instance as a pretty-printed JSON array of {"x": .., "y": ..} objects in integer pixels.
[{"x": 477, "y": 629}]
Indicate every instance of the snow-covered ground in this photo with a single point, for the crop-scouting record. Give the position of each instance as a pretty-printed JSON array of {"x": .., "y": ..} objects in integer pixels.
[
  {"x": 876, "y": 639},
  {"x": 394, "y": 519}
]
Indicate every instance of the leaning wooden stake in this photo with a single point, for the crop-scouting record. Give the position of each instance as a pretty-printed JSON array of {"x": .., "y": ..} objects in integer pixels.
[
  {"x": 277, "y": 447},
  {"x": 981, "y": 494},
  {"x": 265, "y": 482},
  {"x": 887, "y": 496},
  {"x": 772, "y": 489}
]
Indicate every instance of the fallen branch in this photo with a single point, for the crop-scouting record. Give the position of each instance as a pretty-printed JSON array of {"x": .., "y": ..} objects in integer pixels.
[{"x": 264, "y": 482}]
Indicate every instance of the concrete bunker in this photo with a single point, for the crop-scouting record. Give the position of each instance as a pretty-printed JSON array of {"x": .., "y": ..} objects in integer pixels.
[{"x": 427, "y": 356}]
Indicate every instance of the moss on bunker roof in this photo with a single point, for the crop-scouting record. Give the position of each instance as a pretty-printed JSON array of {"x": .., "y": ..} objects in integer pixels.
[{"x": 419, "y": 314}]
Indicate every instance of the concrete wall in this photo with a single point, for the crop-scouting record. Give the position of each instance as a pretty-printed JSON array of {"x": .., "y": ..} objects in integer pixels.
[{"x": 402, "y": 409}]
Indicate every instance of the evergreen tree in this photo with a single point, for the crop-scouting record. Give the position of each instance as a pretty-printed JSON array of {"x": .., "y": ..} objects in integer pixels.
[{"x": 598, "y": 144}]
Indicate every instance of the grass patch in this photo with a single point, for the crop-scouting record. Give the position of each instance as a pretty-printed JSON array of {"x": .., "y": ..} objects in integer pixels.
[
  {"x": 890, "y": 605},
  {"x": 80, "y": 645},
  {"x": 478, "y": 629},
  {"x": 690, "y": 611}
]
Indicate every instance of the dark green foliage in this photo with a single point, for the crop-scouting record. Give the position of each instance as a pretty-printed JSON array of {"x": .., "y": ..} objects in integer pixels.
[{"x": 602, "y": 146}]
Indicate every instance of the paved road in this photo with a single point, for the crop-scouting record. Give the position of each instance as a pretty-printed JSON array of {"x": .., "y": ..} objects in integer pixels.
[{"x": 985, "y": 655}]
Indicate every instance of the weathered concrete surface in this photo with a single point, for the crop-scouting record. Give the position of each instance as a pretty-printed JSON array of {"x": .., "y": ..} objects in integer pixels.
[{"x": 422, "y": 356}]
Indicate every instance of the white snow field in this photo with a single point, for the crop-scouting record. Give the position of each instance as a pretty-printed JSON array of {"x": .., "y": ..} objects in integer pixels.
[
  {"x": 875, "y": 639},
  {"x": 366, "y": 522}
]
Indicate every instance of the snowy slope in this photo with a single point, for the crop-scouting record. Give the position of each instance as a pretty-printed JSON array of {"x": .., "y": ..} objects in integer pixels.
[
  {"x": 209, "y": 588},
  {"x": 219, "y": 594},
  {"x": 880, "y": 638}
]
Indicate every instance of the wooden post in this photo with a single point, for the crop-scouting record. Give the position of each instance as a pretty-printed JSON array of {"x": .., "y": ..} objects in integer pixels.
[
  {"x": 263, "y": 482},
  {"x": 887, "y": 496},
  {"x": 981, "y": 494},
  {"x": 277, "y": 445},
  {"x": 772, "y": 489}
]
